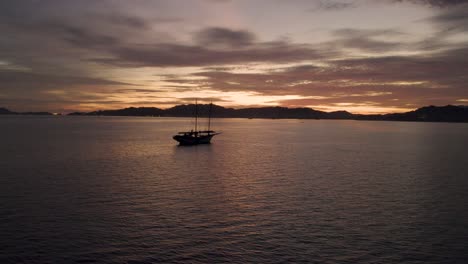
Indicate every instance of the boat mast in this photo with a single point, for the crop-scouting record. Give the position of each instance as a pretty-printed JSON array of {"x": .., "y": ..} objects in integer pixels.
[
  {"x": 196, "y": 114},
  {"x": 209, "y": 115}
]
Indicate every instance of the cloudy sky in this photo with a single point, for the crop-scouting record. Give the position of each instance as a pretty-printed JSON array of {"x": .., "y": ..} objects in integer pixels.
[{"x": 364, "y": 56}]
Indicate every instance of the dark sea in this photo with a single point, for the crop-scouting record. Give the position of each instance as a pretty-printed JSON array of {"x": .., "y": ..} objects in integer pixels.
[{"x": 120, "y": 190}]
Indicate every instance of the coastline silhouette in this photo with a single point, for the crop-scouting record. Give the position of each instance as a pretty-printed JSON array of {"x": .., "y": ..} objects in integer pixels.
[{"x": 448, "y": 113}]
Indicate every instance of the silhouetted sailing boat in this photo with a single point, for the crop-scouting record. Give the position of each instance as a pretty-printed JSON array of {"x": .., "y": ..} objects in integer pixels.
[{"x": 195, "y": 137}]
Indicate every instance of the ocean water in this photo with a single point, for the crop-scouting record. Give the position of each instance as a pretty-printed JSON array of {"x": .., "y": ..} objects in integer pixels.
[{"x": 119, "y": 190}]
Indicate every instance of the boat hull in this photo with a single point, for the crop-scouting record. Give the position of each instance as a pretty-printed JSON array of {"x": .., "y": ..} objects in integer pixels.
[{"x": 192, "y": 140}]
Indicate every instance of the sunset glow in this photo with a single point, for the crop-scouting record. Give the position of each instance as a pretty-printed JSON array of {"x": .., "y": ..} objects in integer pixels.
[{"x": 361, "y": 56}]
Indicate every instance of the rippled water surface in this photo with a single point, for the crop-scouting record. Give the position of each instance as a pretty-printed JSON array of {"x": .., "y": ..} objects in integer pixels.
[{"x": 119, "y": 190}]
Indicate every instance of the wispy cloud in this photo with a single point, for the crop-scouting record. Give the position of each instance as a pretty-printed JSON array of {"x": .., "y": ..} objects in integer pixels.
[
  {"x": 219, "y": 37},
  {"x": 166, "y": 55},
  {"x": 325, "y": 5},
  {"x": 435, "y": 3}
]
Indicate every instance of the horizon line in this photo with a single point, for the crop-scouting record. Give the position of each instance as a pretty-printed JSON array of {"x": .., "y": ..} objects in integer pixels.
[{"x": 234, "y": 108}]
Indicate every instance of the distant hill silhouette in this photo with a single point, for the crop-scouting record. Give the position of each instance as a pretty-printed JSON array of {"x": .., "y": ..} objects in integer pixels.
[
  {"x": 449, "y": 113},
  {"x": 132, "y": 111},
  {"x": 4, "y": 111}
]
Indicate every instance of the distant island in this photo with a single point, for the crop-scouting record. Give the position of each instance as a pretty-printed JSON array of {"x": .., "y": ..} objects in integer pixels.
[
  {"x": 449, "y": 113},
  {"x": 4, "y": 111}
]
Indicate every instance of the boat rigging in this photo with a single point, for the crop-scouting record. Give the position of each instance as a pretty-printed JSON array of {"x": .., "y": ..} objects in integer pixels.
[{"x": 196, "y": 137}]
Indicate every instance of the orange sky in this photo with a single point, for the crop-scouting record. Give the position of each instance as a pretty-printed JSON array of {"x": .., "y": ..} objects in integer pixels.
[{"x": 362, "y": 56}]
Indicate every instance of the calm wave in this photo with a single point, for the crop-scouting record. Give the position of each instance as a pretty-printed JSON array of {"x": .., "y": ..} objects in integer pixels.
[{"x": 119, "y": 190}]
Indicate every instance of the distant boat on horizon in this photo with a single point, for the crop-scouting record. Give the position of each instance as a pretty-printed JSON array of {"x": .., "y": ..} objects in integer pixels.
[{"x": 195, "y": 136}]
